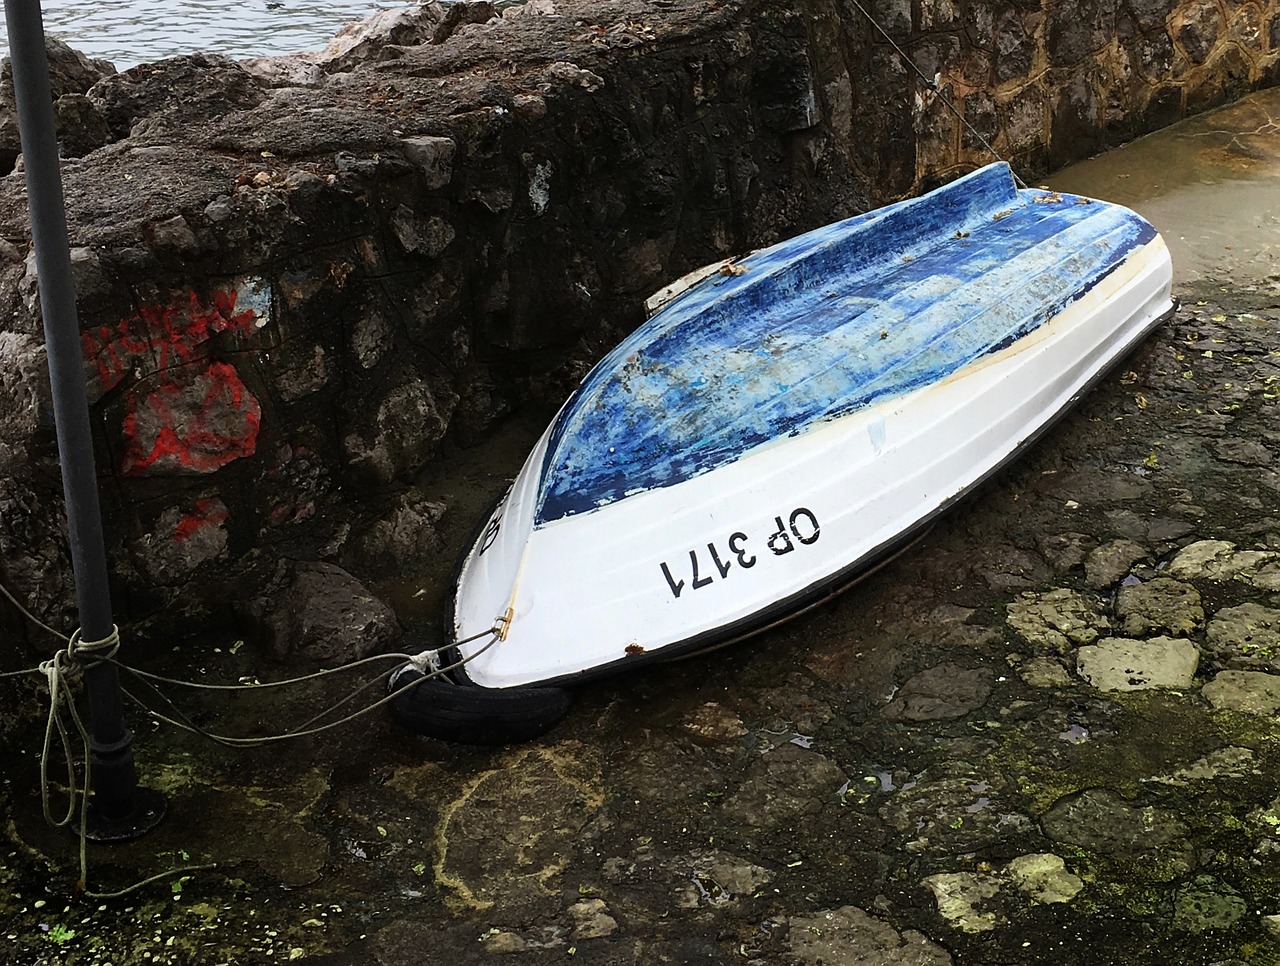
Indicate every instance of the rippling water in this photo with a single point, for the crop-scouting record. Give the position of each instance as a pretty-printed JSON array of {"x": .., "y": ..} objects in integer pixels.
[{"x": 128, "y": 32}]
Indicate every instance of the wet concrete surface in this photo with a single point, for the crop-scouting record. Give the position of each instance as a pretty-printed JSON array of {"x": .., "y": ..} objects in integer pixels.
[
  {"x": 1045, "y": 735},
  {"x": 1211, "y": 184}
]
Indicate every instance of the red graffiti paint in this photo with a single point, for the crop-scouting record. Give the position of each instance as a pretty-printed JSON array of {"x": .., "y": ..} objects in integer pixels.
[
  {"x": 159, "y": 336},
  {"x": 209, "y": 512},
  {"x": 196, "y": 415},
  {"x": 195, "y": 421}
]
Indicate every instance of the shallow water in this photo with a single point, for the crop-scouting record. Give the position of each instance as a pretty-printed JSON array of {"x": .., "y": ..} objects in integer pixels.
[
  {"x": 128, "y": 32},
  {"x": 1210, "y": 184}
]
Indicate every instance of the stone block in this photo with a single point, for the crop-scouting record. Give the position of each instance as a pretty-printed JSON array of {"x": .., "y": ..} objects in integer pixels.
[
  {"x": 1225, "y": 78},
  {"x": 1121, "y": 664},
  {"x": 1196, "y": 27},
  {"x": 434, "y": 156},
  {"x": 1249, "y": 632},
  {"x": 318, "y": 612},
  {"x": 1161, "y": 604},
  {"x": 1073, "y": 32},
  {"x": 1254, "y": 691}
]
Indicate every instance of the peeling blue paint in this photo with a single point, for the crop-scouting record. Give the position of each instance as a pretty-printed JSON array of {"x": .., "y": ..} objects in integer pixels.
[
  {"x": 876, "y": 433},
  {"x": 826, "y": 323}
]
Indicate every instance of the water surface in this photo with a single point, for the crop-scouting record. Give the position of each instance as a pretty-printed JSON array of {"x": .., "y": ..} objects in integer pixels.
[
  {"x": 1210, "y": 184},
  {"x": 129, "y": 32}
]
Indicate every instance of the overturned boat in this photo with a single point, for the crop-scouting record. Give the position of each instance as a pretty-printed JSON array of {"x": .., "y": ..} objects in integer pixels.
[{"x": 776, "y": 428}]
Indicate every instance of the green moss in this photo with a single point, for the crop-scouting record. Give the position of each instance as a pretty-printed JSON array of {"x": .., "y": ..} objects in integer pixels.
[
  {"x": 1142, "y": 900},
  {"x": 1254, "y": 731}
]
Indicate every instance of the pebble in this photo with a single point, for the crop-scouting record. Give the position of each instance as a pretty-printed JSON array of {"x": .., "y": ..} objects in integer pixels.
[
  {"x": 1107, "y": 564},
  {"x": 1218, "y": 560},
  {"x": 1207, "y": 904},
  {"x": 1044, "y": 672},
  {"x": 1249, "y": 632},
  {"x": 1203, "y": 560},
  {"x": 1043, "y": 876},
  {"x": 961, "y": 897},
  {"x": 782, "y": 785},
  {"x": 1230, "y": 762},
  {"x": 591, "y": 920},
  {"x": 713, "y": 724},
  {"x": 1101, "y": 821},
  {"x": 1162, "y": 604},
  {"x": 939, "y": 693},
  {"x": 849, "y": 936},
  {"x": 1058, "y": 619},
  {"x": 504, "y": 943}
]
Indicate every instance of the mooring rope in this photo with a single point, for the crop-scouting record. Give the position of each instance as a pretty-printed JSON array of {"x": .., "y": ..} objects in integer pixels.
[
  {"x": 59, "y": 672},
  {"x": 938, "y": 93},
  {"x": 304, "y": 729},
  {"x": 66, "y": 666},
  {"x": 31, "y": 617}
]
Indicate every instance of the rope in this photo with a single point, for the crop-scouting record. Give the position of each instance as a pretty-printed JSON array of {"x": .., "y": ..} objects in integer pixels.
[
  {"x": 304, "y": 729},
  {"x": 31, "y": 617},
  {"x": 8, "y": 595},
  {"x": 159, "y": 876},
  {"x": 421, "y": 660},
  {"x": 65, "y": 667},
  {"x": 94, "y": 651},
  {"x": 60, "y": 671},
  {"x": 261, "y": 685},
  {"x": 934, "y": 87}
]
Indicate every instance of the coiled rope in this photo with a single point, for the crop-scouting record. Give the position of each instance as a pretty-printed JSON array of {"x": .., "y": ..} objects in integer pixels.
[{"x": 60, "y": 672}]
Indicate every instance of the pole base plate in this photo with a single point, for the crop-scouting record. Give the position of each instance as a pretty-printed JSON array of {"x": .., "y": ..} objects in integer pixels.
[{"x": 149, "y": 808}]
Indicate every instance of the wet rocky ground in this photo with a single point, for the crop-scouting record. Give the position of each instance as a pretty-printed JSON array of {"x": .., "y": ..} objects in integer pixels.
[{"x": 1047, "y": 734}]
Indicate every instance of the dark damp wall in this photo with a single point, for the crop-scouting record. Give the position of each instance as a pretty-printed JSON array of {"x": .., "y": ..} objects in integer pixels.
[
  {"x": 300, "y": 280},
  {"x": 1052, "y": 82}
]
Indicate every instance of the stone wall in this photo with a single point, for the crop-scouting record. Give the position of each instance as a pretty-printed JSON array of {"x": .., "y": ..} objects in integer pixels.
[
  {"x": 299, "y": 278},
  {"x": 1052, "y": 82}
]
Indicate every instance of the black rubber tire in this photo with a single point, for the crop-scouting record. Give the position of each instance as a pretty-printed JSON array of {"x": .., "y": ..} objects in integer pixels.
[{"x": 473, "y": 715}]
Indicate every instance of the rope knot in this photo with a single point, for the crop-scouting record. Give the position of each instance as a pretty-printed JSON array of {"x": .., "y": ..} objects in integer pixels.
[
  {"x": 93, "y": 652},
  {"x": 69, "y": 663},
  {"x": 427, "y": 662}
]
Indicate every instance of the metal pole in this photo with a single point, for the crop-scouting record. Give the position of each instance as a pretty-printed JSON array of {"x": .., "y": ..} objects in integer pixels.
[{"x": 119, "y": 808}]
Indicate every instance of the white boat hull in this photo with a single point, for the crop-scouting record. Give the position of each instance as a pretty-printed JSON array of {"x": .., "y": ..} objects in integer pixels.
[{"x": 683, "y": 567}]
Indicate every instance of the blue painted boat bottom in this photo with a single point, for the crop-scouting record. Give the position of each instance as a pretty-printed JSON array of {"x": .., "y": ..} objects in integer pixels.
[{"x": 822, "y": 325}]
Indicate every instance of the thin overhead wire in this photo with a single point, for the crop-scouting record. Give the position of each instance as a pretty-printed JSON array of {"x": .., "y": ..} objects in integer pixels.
[{"x": 934, "y": 88}]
